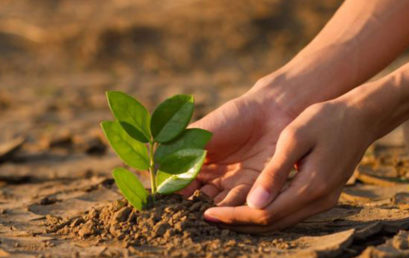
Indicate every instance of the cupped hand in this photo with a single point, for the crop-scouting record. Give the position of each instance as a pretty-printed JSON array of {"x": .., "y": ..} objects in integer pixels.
[
  {"x": 326, "y": 141},
  {"x": 245, "y": 131}
]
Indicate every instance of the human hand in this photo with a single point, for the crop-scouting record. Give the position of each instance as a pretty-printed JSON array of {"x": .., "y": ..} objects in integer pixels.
[
  {"x": 326, "y": 141},
  {"x": 245, "y": 131},
  {"x": 244, "y": 142}
]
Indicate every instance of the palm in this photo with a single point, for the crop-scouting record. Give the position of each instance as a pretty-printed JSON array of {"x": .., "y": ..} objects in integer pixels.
[{"x": 245, "y": 134}]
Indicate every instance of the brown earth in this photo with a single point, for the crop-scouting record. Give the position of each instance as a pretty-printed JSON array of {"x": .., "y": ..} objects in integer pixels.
[
  {"x": 58, "y": 59},
  {"x": 173, "y": 227},
  {"x": 66, "y": 214}
]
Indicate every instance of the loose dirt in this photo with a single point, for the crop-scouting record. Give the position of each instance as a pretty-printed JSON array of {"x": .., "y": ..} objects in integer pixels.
[
  {"x": 71, "y": 207},
  {"x": 57, "y": 197},
  {"x": 174, "y": 227}
]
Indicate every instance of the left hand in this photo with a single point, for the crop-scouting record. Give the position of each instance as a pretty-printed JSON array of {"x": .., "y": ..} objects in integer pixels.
[{"x": 326, "y": 141}]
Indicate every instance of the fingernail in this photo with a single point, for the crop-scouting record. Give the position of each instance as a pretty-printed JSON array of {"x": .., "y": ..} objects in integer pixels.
[
  {"x": 210, "y": 217},
  {"x": 258, "y": 198}
]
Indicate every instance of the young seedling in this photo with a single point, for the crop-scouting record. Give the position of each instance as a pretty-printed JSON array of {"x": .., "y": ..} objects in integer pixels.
[{"x": 160, "y": 144}]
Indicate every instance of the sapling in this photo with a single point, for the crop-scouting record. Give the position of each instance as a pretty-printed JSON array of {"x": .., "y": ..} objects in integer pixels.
[{"x": 157, "y": 143}]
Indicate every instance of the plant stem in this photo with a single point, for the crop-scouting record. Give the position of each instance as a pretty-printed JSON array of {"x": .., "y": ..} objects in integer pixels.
[{"x": 152, "y": 171}]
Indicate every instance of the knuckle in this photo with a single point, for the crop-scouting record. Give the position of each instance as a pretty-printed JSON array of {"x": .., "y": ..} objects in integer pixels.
[
  {"x": 264, "y": 218},
  {"x": 262, "y": 81},
  {"x": 267, "y": 80},
  {"x": 317, "y": 190},
  {"x": 324, "y": 109},
  {"x": 232, "y": 217},
  {"x": 316, "y": 108},
  {"x": 291, "y": 133}
]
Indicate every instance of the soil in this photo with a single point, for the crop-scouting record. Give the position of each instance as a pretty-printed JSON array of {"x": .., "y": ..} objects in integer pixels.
[
  {"x": 61, "y": 201},
  {"x": 174, "y": 227},
  {"x": 57, "y": 197},
  {"x": 370, "y": 216}
]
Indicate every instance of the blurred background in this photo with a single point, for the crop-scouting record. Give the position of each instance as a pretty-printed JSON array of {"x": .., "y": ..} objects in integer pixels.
[{"x": 58, "y": 57}]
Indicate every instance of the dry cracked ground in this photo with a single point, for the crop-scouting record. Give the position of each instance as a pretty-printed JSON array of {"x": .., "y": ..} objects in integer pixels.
[{"x": 57, "y": 197}]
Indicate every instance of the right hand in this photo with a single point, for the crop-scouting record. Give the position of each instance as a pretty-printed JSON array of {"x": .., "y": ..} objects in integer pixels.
[{"x": 245, "y": 131}]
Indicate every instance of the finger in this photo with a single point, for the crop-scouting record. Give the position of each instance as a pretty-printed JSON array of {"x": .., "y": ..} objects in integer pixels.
[
  {"x": 234, "y": 215},
  {"x": 306, "y": 187},
  {"x": 236, "y": 196},
  {"x": 190, "y": 189},
  {"x": 297, "y": 195},
  {"x": 311, "y": 209},
  {"x": 206, "y": 175},
  {"x": 316, "y": 207},
  {"x": 292, "y": 200},
  {"x": 210, "y": 190},
  {"x": 291, "y": 147},
  {"x": 218, "y": 198}
]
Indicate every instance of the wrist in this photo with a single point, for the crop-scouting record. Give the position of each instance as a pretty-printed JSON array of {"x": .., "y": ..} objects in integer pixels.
[
  {"x": 382, "y": 105},
  {"x": 306, "y": 80}
]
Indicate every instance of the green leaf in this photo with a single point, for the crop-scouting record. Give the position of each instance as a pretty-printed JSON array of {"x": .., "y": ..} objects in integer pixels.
[
  {"x": 131, "y": 188},
  {"x": 182, "y": 161},
  {"x": 131, "y": 151},
  {"x": 194, "y": 138},
  {"x": 171, "y": 117},
  {"x": 188, "y": 162},
  {"x": 132, "y": 115}
]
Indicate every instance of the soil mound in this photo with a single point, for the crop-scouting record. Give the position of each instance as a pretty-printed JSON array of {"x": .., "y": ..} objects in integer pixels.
[{"x": 174, "y": 227}]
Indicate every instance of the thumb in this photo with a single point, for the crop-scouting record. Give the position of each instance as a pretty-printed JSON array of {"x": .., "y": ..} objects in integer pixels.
[{"x": 291, "y": 147}]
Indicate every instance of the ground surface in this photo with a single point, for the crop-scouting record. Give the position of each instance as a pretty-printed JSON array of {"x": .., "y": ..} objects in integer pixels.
[
  {"x": 59, "y": 201},
  {"x": 58, "y": 59}
]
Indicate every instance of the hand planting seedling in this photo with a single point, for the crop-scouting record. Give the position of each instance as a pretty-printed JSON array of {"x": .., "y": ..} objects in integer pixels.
[{"x": 160, "y": 144}]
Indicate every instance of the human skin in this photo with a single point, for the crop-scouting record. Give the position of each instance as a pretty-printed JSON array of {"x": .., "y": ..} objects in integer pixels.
[
  {"x": 327, "y": 139},
  {"x": 247, "y": 131}
]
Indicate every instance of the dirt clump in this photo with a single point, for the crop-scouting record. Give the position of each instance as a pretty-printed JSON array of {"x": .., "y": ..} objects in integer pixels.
[{"x": 173, "y": 227}]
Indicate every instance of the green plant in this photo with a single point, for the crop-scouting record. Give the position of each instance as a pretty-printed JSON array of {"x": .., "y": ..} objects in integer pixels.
[{"x": 160, "y": 144}]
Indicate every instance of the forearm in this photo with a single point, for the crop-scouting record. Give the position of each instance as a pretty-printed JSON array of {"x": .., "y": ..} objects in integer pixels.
[
  {"x": 381, "y": 105},
  {"x": 360, "y": 39}
]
